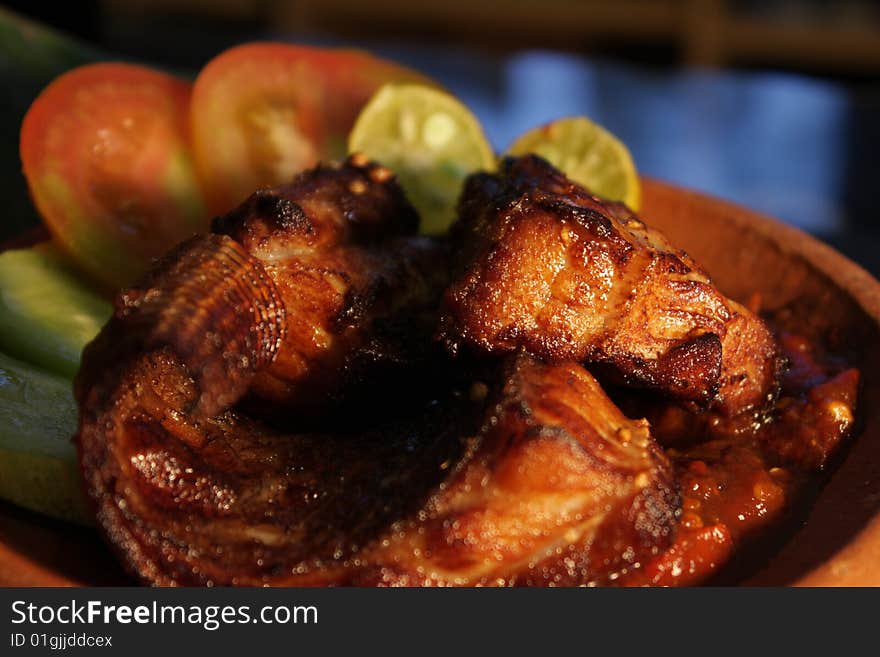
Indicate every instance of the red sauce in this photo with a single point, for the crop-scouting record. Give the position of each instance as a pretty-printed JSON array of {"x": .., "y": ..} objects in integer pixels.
[{"x": 738, "y": 476}]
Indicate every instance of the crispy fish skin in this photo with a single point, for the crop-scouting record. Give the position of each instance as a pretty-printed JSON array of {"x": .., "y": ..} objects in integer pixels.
[
  {"x": 193, "y": 500},
  {"x": 544, "y": 265},
  {"x": 546, "y": 484},
  {"x": 207, "y": 301},
  {"x": 360, "y": 288},
  {"x": 558, "y": 488}
]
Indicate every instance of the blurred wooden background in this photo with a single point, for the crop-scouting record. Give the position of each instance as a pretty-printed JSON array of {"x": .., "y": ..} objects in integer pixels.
[{"x": 815, "y": 36}]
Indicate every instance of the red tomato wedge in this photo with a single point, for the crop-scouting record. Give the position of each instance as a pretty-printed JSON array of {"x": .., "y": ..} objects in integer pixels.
[
  {"x": 106, "y": 155},
  {"x": 262, "y": 112}
]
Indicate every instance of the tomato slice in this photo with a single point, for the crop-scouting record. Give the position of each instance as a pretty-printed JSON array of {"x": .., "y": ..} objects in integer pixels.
[
  {"x": 262, "y": 112},
  {"x": 106, "y": 156}
]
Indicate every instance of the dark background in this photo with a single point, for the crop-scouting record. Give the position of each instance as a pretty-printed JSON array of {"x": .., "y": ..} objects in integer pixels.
[{"x": 772, "y": 104}]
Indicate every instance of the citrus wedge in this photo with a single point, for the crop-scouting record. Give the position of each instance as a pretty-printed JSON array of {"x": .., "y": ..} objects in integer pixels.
[
  {"x": 430, "y": 140},
  {"x": 586, "y": 153}
]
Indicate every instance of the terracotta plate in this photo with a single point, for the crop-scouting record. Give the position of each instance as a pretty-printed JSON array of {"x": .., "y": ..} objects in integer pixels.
[{"x": 838, "y": 542}]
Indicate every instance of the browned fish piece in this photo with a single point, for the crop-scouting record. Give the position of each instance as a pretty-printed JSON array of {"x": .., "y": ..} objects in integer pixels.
[
  {"x": 548, "y": 267},
  {"x": 558, "y": 488},
  {"x": 208, "y": 302},
  {"x": 537, "y": 479},
  {"x": 359, "y": 287},
  {"x": 547, "y": 484}
]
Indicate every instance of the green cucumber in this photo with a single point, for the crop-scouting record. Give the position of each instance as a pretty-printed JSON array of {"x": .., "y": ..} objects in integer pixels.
[
  {"x": 39, "y": 469},
  {"x": 47, "y": 313}
]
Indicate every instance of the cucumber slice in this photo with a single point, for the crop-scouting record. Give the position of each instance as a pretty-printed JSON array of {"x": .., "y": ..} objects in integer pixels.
[
  {"x": 47, "y": 314},
  {"x": 39, "y": 469}
]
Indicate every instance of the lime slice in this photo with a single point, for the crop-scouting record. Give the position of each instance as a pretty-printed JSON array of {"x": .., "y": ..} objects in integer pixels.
[
  {"x": 586, "y": 153},
  {"x": 38, "y": 464},
  {"x": 430, "y": 140},
  {"x": 47, "y": 314}
]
